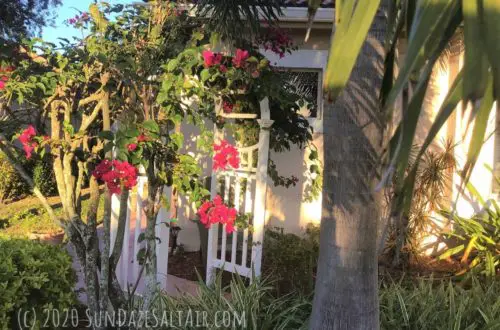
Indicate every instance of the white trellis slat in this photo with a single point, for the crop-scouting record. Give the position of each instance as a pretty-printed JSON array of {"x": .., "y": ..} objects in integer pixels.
[
  {"x": 141, "y": 182},
  {"x": 254, "y": 203},
  {"x": 163, "y": 233}
]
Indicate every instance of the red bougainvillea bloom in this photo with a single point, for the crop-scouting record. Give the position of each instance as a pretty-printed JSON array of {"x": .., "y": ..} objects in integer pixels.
[
  {"x": 227, "y": 107},
  {"x": 26, "y": 139},
  {"x": 4, "y": 78},
  {"x": 223, "y": 68},
  {"x": 240, "y": 58},
  {"x": 211, "y": 58},
  {"x": 213, "y": 212},
  {"x": 225, "y": 154},
  {"x": 2, "y": 84},
  {"x": 116, "y": 174},
  {"x": 142, "y": 138},
  {"x": 132, "y": 146}
]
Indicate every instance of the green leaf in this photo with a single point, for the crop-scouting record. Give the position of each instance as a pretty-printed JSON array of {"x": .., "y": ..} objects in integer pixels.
[
  {"x": 449, "y": 105},
  {"x": 107, "y": 135},
  {"x": 490, "y": 14},
  {"x": 452, "y": 251},
  {"x": 479, "y": 131},
  {"x": 151, "y": 126},
  {"x": 475, "y": 59},
  {"x": 98, "y": 17},
  {"x": 347, "y": 41},
  {"x": 432, "y": 18},
  {"x": 204, "y": 75},
  {"x": 172, "y": 65}
]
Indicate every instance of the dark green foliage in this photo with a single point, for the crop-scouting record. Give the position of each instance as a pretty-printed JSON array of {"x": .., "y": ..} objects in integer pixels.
[
  {"x": 33, "y": 276},
  {"x": 24, "y": 18},
  {"x": 290, "y": 260},
  {"x": 12, "y": 186},
  {"x": 44, "y": 178}
]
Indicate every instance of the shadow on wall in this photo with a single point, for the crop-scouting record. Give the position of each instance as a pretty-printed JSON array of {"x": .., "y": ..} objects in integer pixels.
[{"x": 286, "y": 207}]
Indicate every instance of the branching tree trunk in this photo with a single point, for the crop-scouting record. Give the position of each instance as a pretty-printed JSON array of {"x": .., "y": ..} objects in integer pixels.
[{"x": 346, "y": 292}]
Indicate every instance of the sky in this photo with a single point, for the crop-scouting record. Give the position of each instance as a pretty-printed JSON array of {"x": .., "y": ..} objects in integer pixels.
[{"x": 68, "y": 9}]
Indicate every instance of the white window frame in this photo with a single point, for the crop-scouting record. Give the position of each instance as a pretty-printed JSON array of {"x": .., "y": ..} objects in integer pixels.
[{"x": 305, "y": 60}]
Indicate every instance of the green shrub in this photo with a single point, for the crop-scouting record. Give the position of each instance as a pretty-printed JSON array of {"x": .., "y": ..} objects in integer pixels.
[
  {"x": 443, "y": 306},
  {"x": 290, "y": 260},
  {"x": 44, "y": 178},
  {"x": 12, "y": 186},
  {"x": 34, "y": 276}
]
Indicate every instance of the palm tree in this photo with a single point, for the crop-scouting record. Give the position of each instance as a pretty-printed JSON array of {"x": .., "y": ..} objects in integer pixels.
[
  {"x": 346, "y": 291},
  {"x": 345, "y": 286}
]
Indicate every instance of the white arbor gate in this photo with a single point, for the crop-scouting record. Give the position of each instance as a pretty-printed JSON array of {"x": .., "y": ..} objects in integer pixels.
[{"x": 244, "y": 188}]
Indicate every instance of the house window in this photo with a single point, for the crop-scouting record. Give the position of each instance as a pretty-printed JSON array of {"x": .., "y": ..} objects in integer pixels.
[{"x": 308, "y": 84}]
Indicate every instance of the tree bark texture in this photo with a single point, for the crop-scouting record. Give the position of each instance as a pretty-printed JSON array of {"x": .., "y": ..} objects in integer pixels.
[{"x": 346, "y": 291}]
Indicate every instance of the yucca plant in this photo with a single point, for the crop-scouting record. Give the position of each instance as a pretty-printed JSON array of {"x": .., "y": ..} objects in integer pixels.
[
  {"x": 478, "y": 237},
  {"x": 427, "y": 305}
]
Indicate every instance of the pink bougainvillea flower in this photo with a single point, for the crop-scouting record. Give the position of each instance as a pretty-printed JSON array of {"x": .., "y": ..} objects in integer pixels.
[
  {"x": 211, "y": 58},
  {"x": 26, "y": 139},
  {"x": 28, "y": 149},
  {"x": 225, "y": 155},
  {"x": 240, "y": 58},
  {"x": 132, "y": 146},
  {"x": 214, "y": 212},
  {"x": 227, "y": 107},
  {"x": 2, "y": 84},
  {"x": 116, "y": 174},
  {"x": 142, "y": 138},
  {"x": 223, "y": 68},
  {"x": 4, "y": 78}
]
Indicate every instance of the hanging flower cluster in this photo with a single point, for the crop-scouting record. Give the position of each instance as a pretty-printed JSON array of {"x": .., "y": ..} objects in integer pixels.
[
  {"x": 213, "y": 212},
  {"x": 116, "y": 174},
  {"x": 278, "y": 41},
  {"x": 225, "y": 155},
  {"x": 83, "y": 18},
  {"x": 26, "y": 139},
  {"x": 4, "y": 75}
]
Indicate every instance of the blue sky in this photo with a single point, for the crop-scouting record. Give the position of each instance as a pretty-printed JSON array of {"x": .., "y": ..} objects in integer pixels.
[{"x": 67, "y": 10}]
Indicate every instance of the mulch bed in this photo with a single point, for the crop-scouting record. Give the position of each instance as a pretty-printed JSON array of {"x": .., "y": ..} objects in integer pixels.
[{"x": 185, "y": 264}]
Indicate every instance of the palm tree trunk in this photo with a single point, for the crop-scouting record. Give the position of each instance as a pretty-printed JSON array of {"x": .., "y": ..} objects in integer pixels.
[{"x": 346, "y": 292}]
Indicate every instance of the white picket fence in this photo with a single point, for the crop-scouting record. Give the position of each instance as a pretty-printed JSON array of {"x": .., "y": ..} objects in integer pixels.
[{"x": 245, "y": 189}]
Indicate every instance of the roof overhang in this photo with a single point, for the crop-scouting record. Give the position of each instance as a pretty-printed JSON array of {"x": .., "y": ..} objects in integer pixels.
[{"x": 299, "y": 14}]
